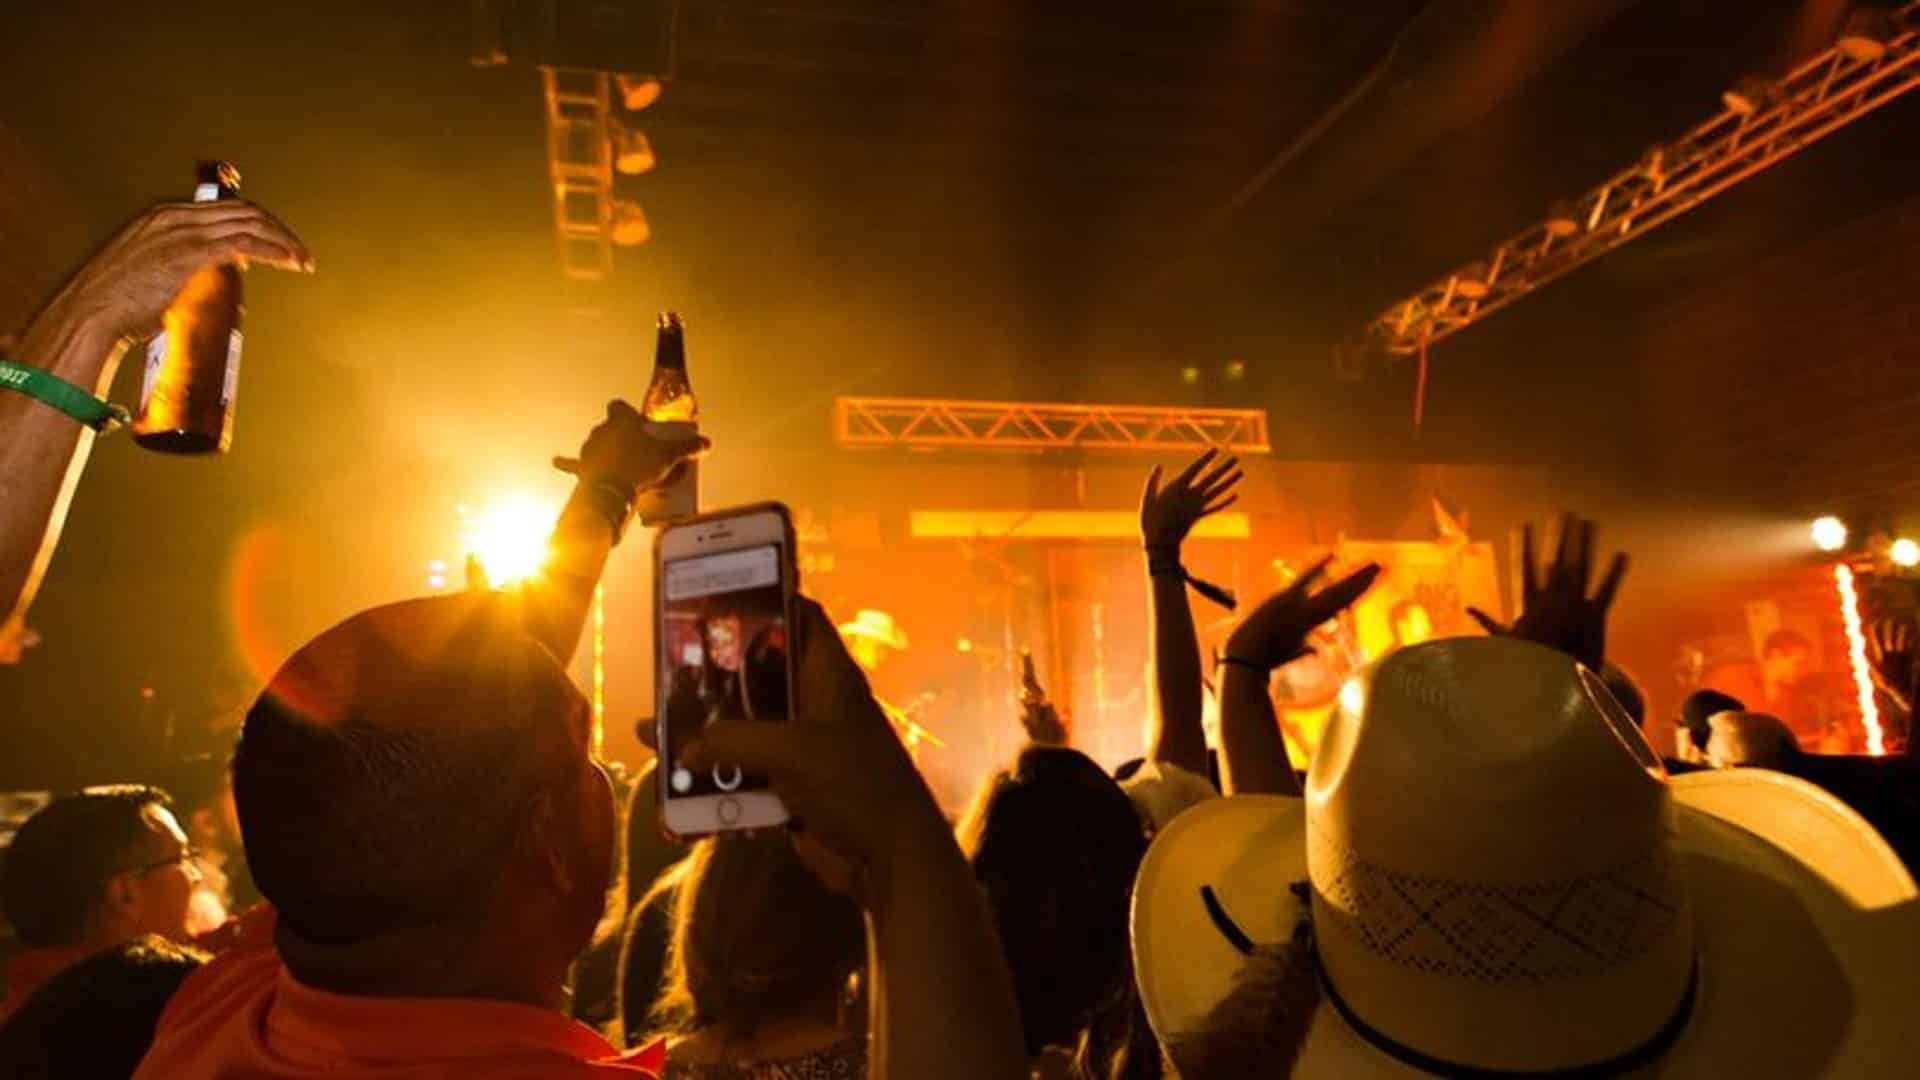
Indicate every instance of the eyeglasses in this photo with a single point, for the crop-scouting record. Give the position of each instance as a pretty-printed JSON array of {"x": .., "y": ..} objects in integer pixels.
[{"x": 186, "y": 856}]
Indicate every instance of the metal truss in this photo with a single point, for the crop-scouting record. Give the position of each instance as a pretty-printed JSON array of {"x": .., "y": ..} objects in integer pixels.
[
  {"x": 1764, "y": 123},
  {"x": 940, "y": 424},
  {"x": 580, "y": 163}
]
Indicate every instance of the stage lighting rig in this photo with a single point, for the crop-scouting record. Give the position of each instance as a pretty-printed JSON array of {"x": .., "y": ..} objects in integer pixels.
[{"x": 1875, "y": 59}]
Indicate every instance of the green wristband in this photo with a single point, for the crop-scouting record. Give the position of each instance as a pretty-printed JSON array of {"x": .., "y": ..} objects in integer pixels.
[{"x": 51, "y": 389}]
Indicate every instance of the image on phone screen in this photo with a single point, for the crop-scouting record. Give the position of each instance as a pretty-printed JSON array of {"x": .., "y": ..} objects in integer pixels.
[{"x": 724, "y": 642}]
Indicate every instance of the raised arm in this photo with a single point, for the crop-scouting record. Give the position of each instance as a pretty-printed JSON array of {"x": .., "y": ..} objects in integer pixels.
[
  {"x": 1167, "y": 514},
  {"x": 1894, "y": 649},
  {"x": 1556, "y": 609},
  {"x": 942, "y": 1002},
  {"x": 1253, "y": 756},
  {"x": 79, "y": 336},
  {"x": 623, "y": 456}
]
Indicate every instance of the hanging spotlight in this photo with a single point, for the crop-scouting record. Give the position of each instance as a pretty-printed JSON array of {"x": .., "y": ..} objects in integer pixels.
[
  {"x": 1236, "y": 370},
  {"x": 629, "y": 227},
  {"x": 1190, "y": 375},
  {"x": 1752, "y": 94},
  {"x": 1866, "y": 33},
  {"x": 1904, "y": 553},
  {"x": 632, "y": 153},
  {"x": 1654, "y": 164},
  {"x": 1829, "y": 533},
  {"x": 1563, "y": 219},
  {"x": 1471, "y": 284},
  {"x": 637, "y": 91}
]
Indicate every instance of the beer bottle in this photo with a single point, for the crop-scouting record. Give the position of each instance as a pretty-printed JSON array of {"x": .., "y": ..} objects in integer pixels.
[
  {"x": 193, "y": 363},
  {"x": 670, "y": 402}
]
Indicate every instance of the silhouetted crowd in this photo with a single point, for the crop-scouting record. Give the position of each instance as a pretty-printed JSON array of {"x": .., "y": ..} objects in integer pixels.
[{"x": 412, "y": 865}]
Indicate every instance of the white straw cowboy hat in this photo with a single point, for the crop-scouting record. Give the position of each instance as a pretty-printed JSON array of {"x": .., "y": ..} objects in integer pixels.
[
  {"x": 1504, "y": 881},
  {"x": 876, "y": 626}
]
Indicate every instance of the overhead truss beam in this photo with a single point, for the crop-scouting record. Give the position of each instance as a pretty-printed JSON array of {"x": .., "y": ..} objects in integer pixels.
[
  {"x": 1763, "y": 124},
  {"x": 580, "y": 164},
  {"x": 943, "y": 424}
]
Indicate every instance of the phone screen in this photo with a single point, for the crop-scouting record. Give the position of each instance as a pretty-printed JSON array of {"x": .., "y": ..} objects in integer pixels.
[{"x": 724, "y": 656}]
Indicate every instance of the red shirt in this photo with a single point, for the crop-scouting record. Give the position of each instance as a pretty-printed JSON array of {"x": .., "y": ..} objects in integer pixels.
[
  {"x": 244, "y": 1016},
  {"x": 36, "y": 967}
]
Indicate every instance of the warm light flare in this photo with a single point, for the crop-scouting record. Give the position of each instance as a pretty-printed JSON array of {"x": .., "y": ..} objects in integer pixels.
[
  {"x": 1904, "y": 553},
  {"x": 1829, "y": 533},
  {"x": 508, "y": 536},
  {"x": 1857, "y": 656}
]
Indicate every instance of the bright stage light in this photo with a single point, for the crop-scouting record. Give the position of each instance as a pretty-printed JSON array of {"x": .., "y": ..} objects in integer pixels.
[
  {"x": 508, "y": 536},
  {"x": 1904, "y": 552},
  {"x": 1829, "y": 533},
  {"x": 1857, "y": 659}
]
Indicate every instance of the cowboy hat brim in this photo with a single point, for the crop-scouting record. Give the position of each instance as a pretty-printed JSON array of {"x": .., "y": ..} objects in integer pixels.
[{"x": 1807, "y": 929}]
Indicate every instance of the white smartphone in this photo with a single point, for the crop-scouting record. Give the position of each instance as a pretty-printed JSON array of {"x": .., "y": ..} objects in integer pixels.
[{"x": 723, "y": 597}]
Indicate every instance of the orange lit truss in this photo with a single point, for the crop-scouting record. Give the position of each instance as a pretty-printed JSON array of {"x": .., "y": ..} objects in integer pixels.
[
  {"x": 1812, "y": 101},
  {"x": 944, "y": 424},
  {"x": 580, "y": 164}
]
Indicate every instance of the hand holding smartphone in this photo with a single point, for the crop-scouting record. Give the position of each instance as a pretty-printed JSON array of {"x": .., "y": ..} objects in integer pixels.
[{"x": 724, "y": 589}]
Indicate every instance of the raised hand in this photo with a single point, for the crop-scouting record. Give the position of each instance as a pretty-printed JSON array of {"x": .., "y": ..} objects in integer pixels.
[
  {"x": 627, "y": 451},
  {"x": 1169, "y": 513},
  {"x": 477, "y": 577},
  {"x": 837, "y": 765},
  {"x": 126, "y": 286},
  {"x": 1276, "y": 632},
  {"x": 1037, "y": 714},
  {"x": 1555, "y": 608},
  {"x": 1893, "y": 652}
]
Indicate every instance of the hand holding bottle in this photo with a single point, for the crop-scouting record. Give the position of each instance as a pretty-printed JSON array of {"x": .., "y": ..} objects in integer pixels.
[
  {"x": 627, "y": 451},
  {"x": 126, "y": 286}
]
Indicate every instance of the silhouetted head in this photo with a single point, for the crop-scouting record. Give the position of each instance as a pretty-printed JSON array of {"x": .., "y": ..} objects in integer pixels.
[
  {"x": 421, "y": 771},
  {"x": 1056, "y": 843},
  {"x": 1700, "y": 706},
  {"x": 100, "y": 867},
  {"x": 755, "y": 938}
]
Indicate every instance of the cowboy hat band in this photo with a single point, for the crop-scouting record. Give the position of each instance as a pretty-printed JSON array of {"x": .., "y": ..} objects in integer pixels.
[{"x": 1652, "y": 1048}]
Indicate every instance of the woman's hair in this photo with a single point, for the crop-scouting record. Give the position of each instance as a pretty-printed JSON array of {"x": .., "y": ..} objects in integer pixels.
[
  {"x": 755, "y": 937},
  {"x": 1056, "y": 844}
]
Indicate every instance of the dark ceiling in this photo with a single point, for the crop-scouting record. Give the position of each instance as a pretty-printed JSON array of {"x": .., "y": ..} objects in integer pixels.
[{"x": 986, "y": 198}]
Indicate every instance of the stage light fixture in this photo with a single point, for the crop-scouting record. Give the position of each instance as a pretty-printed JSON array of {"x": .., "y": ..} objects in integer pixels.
[
  {"x": 1236, "y": 370},
  {"x": 1904, "y": 553},
  {"x": 1866, "y": 33},
  {"x": 632, "y": 153},
  {"x": 637, "y": 91},
  {"x": 1829, "y": 533},
  {"x": 629, "y": 227},
  {"x": 1190, "y": 375},
  {"x": 1563, "y": 219},
  {"x": 1752, "y": 94},
  {"x": 1472, "y": 282},
  {"x": 509, "y": 537}
]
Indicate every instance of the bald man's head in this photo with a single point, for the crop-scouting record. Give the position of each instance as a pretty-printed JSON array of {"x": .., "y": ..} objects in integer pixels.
[{"x": 380, "y": 776}]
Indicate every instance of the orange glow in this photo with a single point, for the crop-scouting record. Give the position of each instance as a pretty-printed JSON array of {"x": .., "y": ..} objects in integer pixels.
[
  {"x": 257, "y": 583},
  {"x": 1857, "y": 656},
  {"x": 508, "y": 536},
  {"x": 1060, "y": 525}
]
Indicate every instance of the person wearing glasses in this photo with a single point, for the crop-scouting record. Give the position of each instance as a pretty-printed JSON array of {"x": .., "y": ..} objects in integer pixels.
[{"x": 89, "y": 871}]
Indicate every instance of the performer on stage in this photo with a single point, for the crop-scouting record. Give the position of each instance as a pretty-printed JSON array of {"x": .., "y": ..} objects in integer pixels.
[{"x": 872, "y": 637}]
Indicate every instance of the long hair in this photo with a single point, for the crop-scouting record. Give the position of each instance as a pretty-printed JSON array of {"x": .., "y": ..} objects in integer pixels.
[
  {"x": 1056, "y": 844},
  {"x": 755, "y": 937}
]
